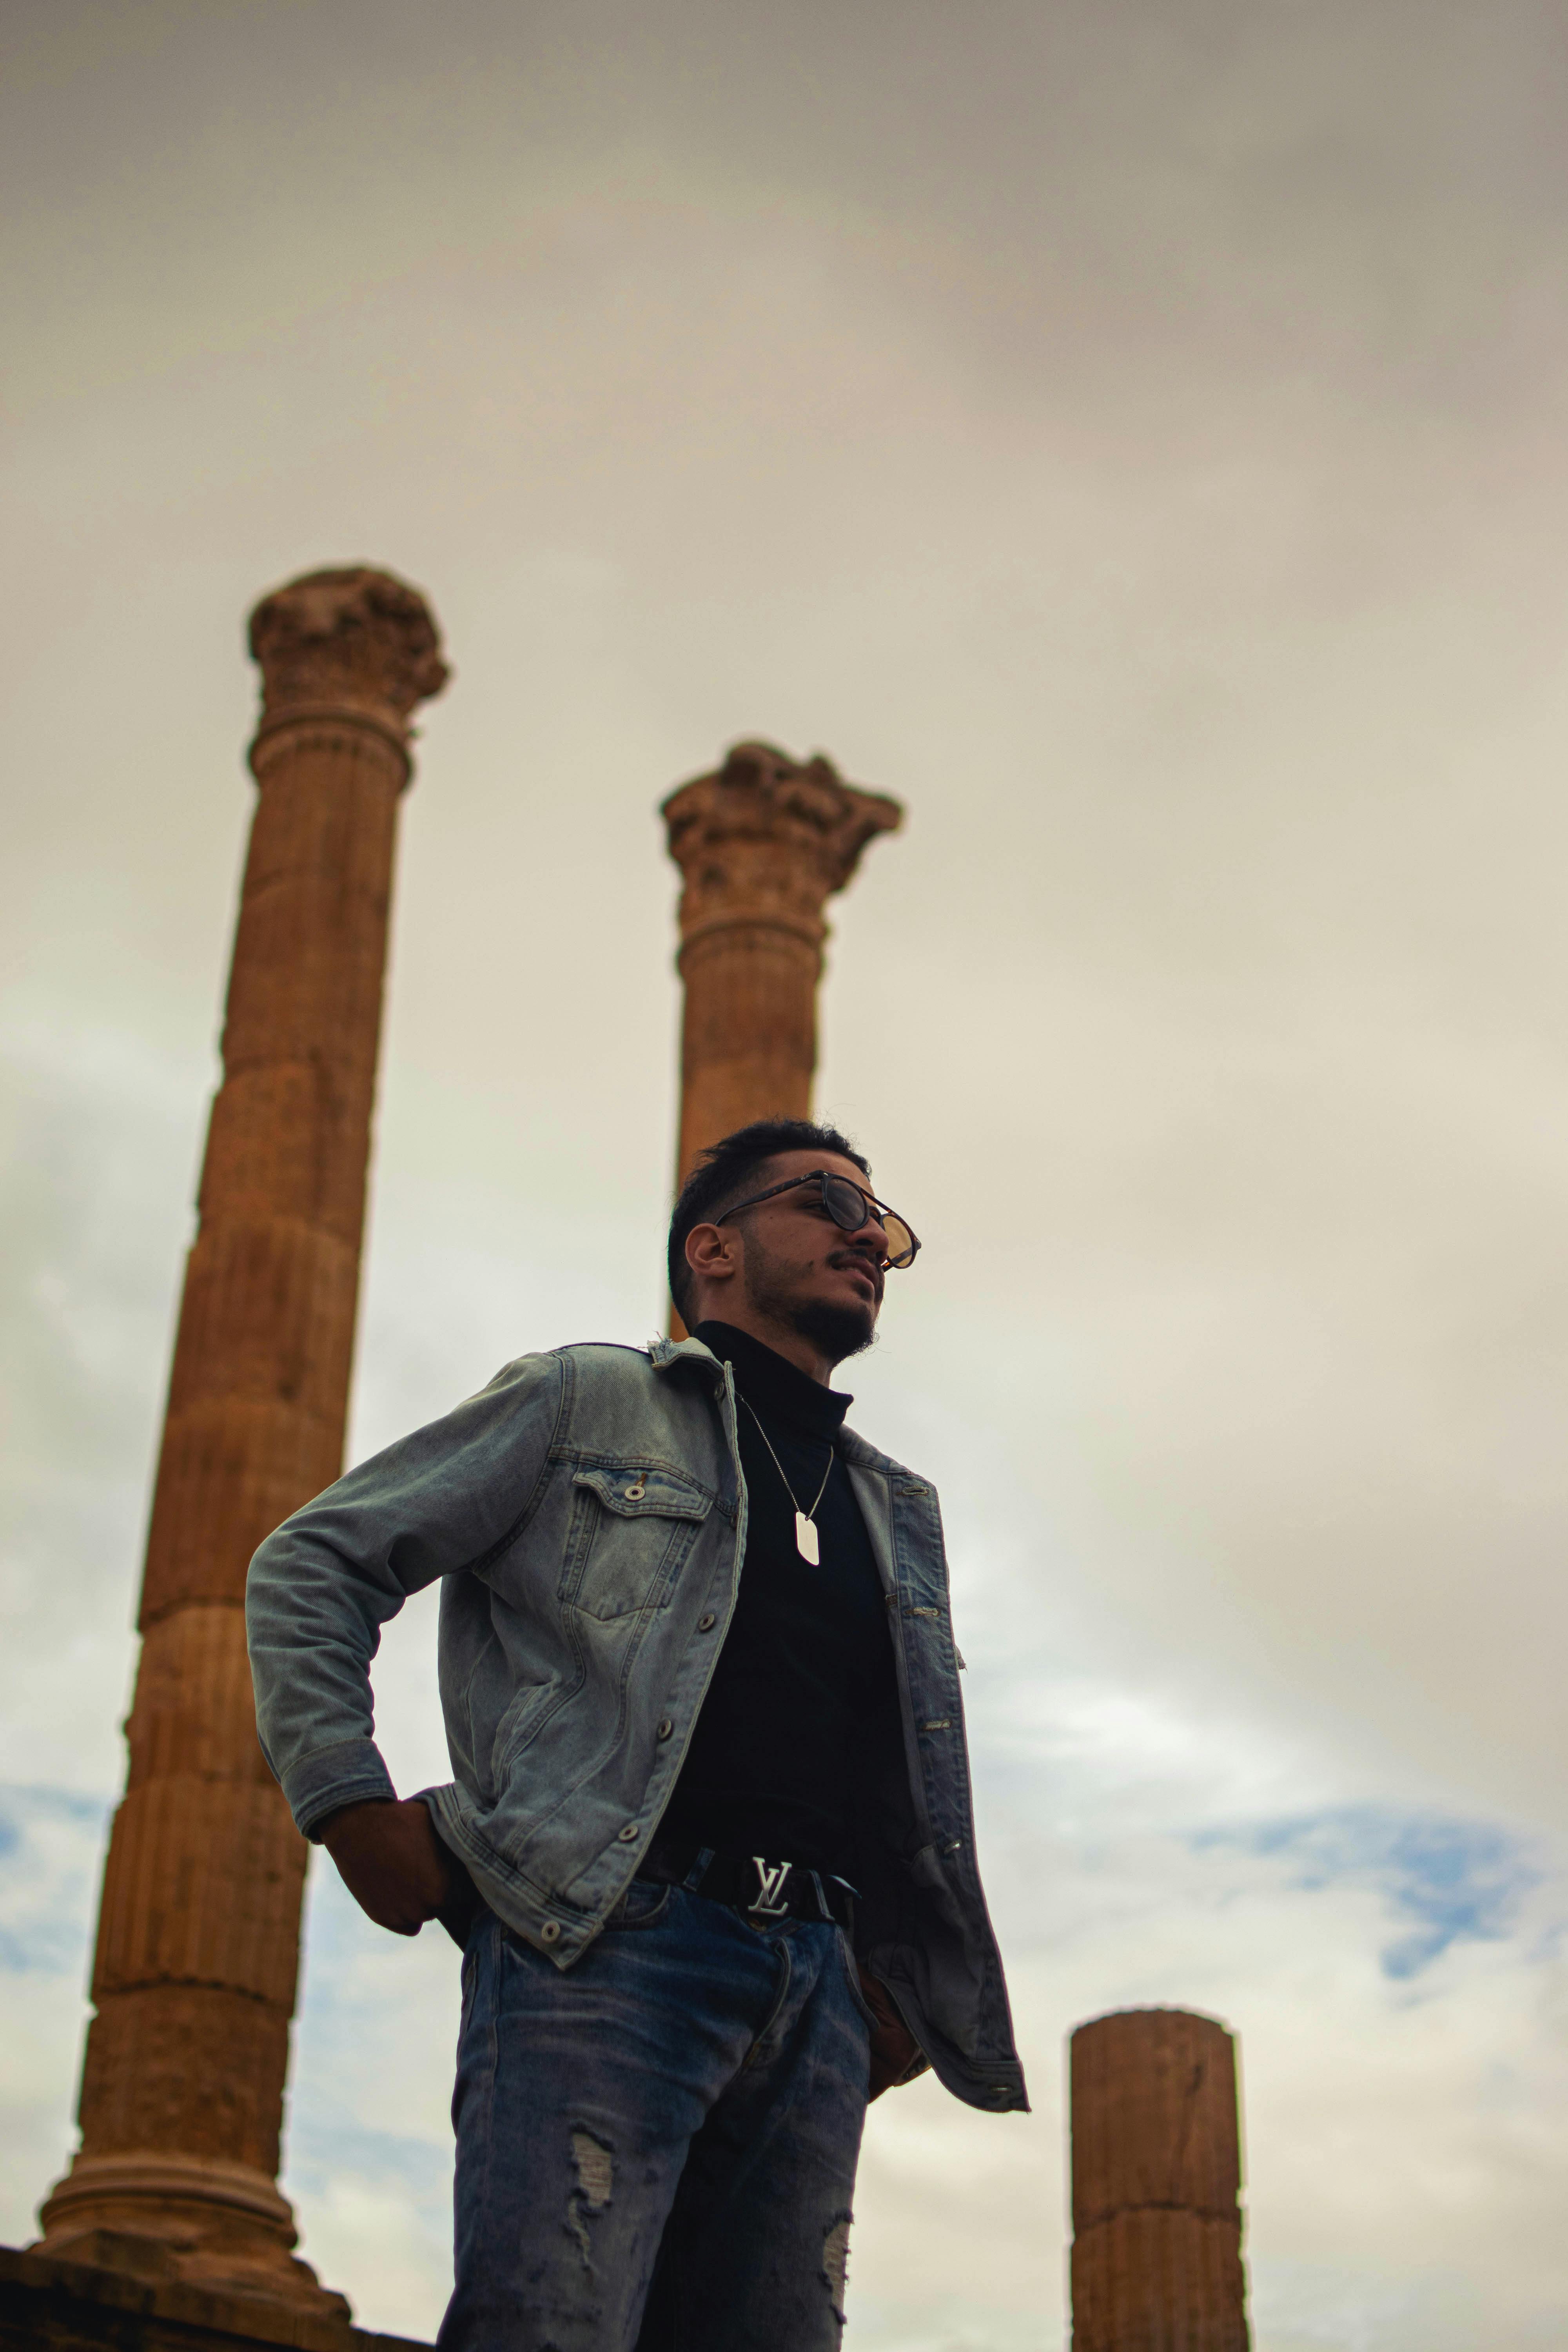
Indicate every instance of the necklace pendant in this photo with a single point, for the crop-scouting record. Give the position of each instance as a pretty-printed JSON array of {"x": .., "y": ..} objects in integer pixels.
[{"x": 805, "y": 1539}]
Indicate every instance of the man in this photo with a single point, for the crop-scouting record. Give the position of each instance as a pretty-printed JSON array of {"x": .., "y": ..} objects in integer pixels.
[{"x": 709, "y": 1843}]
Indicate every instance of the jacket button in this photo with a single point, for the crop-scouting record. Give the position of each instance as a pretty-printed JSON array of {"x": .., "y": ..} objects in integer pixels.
[
  {"x": 665, "y": 1727},
  {"x": 551, "y": 1932},
  {"x": 629, "y": 1832},
  {"x": 706, "y": 1623}
]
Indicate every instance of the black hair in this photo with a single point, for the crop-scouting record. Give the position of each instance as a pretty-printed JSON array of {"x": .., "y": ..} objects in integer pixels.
[{"x": 729, "y": 1170}]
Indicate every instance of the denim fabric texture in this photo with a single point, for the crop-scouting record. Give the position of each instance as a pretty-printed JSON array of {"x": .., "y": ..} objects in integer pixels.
[
  {"x": 680, "y": 2110},
  {"x": 587, "y": 1516}
]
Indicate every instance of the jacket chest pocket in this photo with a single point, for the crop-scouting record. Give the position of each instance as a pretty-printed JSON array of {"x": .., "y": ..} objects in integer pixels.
[{"x": 631, "y": 1532}]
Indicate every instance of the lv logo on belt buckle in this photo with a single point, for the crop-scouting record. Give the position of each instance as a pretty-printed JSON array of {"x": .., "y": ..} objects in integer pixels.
[{"x": 772, "y": 1878}]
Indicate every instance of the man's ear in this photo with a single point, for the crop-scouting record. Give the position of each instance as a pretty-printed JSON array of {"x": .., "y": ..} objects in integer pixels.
[{"x": 711, "y": 1254}]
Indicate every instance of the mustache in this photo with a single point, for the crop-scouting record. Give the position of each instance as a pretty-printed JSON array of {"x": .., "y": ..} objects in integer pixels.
[{"x": 862, "y": 1257}]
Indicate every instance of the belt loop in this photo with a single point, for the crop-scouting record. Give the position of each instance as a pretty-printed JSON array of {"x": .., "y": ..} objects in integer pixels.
[{"x": 699, "y": 1870}]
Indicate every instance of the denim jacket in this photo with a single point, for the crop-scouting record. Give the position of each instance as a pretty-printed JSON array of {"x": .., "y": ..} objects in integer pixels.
[{"x": 587, "y": 1515}]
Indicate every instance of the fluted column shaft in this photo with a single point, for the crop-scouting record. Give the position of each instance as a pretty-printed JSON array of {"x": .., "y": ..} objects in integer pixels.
[
  {"x": 197, "y": 1951},
  {"x": 763, "y": 843},
  {"x": 1156, "y": 2179}
]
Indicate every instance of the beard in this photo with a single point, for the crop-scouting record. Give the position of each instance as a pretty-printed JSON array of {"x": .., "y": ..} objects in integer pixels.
[{"x": 840, "y": 1330}]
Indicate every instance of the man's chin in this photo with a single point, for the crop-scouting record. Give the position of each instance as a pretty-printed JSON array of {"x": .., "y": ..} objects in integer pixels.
[{"x": 840, "y": 1331}]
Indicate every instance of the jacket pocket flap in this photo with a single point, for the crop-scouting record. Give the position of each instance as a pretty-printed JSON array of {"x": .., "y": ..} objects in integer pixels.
[{"x": 634, "y": 1493}]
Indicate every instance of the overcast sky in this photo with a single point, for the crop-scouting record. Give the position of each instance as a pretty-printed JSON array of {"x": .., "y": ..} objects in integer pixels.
[{"x": 1134, "y": 435}]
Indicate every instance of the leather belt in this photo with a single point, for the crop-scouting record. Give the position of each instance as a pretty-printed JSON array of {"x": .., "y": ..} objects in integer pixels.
[{"x": 760, "y": 1890}]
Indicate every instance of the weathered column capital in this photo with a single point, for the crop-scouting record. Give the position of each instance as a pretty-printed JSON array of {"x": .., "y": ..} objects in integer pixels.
[
  {"x": 356, "y": 646},
  {"x": 766, "y": 840}
]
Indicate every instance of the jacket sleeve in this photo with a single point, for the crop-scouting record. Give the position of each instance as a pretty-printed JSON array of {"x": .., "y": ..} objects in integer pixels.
[{"x": 451, "y": 1497}]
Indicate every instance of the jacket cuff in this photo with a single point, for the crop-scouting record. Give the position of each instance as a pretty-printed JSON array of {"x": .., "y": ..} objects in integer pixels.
[{"x": 350, "y": 1772}]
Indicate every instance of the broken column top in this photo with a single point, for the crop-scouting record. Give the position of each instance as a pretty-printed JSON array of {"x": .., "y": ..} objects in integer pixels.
[
  {"x": 1154, "y": 2115},
  {"x": 766, "y": 837},
  {"x": 356, "y": 639}
]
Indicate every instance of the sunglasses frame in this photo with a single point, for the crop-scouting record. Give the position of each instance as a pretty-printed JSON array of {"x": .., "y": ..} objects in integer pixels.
[{"x": 824, "y": 1177}]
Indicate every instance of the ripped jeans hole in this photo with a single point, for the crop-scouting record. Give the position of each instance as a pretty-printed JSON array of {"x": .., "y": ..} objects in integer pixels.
[
  {"x": 836, "y": 2259},
  {"x": 596, "y": 2183}
]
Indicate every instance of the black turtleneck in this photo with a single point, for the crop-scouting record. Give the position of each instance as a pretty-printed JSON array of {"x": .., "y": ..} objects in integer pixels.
[{"x": 808, "y": 1660}]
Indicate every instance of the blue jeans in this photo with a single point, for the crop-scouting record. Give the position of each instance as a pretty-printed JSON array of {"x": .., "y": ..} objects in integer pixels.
[{"x": 656, "y": 2147}]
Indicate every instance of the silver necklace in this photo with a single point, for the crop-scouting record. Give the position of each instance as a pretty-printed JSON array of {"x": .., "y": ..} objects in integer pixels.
[{"x": 806, "y": 1540}]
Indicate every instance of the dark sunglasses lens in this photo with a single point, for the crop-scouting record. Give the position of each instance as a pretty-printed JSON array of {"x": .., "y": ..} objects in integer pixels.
[
  {"x": 848, "y": 1207},
  {"x": 844, "y": 1203},
  {"x": 902, "y": 1243}
]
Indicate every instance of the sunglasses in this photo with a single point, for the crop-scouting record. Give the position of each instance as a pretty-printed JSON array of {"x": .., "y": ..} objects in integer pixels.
[{"x": 851, "y": 1208}]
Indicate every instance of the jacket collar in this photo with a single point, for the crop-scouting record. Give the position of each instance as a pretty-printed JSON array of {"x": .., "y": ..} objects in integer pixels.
[{"x": 663, "y": 1353}]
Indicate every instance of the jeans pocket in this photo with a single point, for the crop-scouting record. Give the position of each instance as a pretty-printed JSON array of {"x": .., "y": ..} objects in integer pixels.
[
  {"x": 852, "y": 1979},
  {"x": 642, "y": 1904}
]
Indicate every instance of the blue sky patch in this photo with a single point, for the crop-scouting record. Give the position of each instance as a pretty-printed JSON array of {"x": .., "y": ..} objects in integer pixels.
[
  {"x": 51, "y": 1851},
  {"x": 1446, "y": 1880}
]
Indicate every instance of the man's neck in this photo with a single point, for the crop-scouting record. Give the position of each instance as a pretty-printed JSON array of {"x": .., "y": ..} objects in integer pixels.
[{"x": 804, "y": 1354}]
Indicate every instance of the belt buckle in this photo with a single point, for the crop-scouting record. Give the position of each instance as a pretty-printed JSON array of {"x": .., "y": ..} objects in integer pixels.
[{"x": 772, "y": 1879}]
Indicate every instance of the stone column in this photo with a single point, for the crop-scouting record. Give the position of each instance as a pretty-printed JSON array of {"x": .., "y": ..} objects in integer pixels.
[
  {"x": 198, "y": 1934},
  {"x": 763, "y": 843},
  {"x": 1156, "y": 2177}
]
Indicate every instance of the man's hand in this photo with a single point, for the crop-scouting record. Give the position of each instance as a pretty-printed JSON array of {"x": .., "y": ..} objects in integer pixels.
[
  {"x": 896, "y": 2056},
  {"x": 392, "y": 1862}
]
